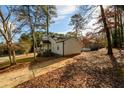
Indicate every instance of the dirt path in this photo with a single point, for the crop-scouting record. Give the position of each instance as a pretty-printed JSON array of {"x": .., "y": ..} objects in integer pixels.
[{"x": 11, "y": 79}]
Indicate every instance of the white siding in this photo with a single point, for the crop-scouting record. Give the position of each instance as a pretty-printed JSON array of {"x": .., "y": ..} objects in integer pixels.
[
  {"x": 53, "y": 45},
  {"x": 72, "y": 46},
  {"x": 59, "y": 48}
]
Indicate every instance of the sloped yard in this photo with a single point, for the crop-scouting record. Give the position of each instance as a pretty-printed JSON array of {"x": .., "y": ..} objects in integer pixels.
[
  {"x": 91, "y": 69},
  {"x": 21, "y": 72}
]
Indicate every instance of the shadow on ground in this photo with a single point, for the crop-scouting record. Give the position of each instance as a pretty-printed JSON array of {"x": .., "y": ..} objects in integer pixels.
[
  {"x": 46, "y": 61},
  {"x": 94, "y": 76},
  {"x": 89, "y": 71}
]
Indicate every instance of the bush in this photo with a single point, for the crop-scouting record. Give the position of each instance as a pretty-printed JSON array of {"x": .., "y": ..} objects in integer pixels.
[
  {"x": 48, "y": 53},
  {"x": 25, "y": 47}
]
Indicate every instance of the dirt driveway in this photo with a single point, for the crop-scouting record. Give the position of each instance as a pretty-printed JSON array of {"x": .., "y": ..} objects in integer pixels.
[{"x": 15, "y": 77}]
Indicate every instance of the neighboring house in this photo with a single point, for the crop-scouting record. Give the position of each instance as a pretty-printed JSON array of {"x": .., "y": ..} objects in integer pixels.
[{"x": 62, "y": 47}]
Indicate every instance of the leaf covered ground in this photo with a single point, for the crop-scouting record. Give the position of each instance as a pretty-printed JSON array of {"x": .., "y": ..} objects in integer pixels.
[{"x": 92, "y": 69}]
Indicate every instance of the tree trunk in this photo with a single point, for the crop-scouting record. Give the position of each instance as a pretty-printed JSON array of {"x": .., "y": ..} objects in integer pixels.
[
  {"x": 13, "y": 55},
  {"x": 115, "y": 32},
  {"x": 119, "y": 30},
  {"x": 107, "y": 31},
  {"x": 47, "y": 22},
  {"x": 76, "y": 31},
  {"x": 32, "y": 29},
  {"x": 121, "y": 24},
  {"x": 34, "y": 44},
  {"x": 10, "y": 54}
]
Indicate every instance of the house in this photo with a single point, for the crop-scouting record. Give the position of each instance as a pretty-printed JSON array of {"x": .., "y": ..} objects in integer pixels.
[{"x": 63, "y": 47}]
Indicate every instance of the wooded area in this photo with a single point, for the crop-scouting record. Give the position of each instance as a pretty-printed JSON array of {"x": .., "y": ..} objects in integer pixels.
[{"x": 31, "y": 23}]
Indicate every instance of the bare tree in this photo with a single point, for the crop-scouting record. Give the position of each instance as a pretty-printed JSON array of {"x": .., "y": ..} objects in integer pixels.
[{"x": 9, "y": 28}]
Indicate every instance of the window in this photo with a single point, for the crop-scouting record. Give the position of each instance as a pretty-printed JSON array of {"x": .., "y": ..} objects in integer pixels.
[{"x": 57, "y": 47}]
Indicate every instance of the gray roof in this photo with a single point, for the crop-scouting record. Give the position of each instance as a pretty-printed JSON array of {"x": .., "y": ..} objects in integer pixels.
[{"x": 62, "y": 40}]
